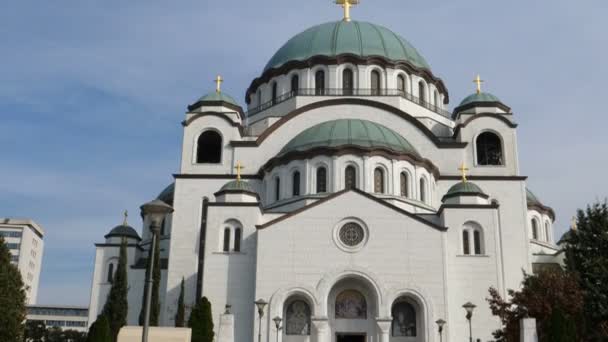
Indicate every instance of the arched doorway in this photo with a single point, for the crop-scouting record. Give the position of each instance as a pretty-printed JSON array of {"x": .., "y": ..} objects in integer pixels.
[{"x": 352, "y": 311}]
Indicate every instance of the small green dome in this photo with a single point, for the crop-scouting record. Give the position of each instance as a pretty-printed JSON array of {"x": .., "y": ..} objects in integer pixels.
[
  {"x": 532, "y": 199},
  {"x": 479, "y": 97},
  {"x": 349, "y": 132},
  {"x": 123, "y": 231},
  {"x": 237, "y": 185},
  {"x": 215, "y": 96},
  {"x": 464, "y": 188},
  {"x": 358, "y": 38},
  {"x": 167, "y": 194}
]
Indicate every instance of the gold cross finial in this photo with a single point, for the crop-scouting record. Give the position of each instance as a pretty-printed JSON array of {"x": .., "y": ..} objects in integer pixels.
[
  {"x": 218, "y": 83},
  {"x": 463, "y": 170},
  {"x": 347, "y": 4},
  {"x": 238, "y": 168},
  {"x": 479, "y": 81},
  {"x": 126, "y": 215}
]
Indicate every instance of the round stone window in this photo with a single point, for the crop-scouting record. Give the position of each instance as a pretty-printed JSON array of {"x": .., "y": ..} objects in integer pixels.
[{"x": 351, "y": 234}]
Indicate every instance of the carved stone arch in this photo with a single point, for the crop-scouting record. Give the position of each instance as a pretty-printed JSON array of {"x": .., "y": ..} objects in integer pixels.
[
  {"x": 407, "y": 79},
  {"x": 196, "y": 159},
  {"x": 280, "y": 296},
  {"x": 502, "y": 147},
  {"x": 422, "y": 299},
  {"x": 387, "y": 174}
]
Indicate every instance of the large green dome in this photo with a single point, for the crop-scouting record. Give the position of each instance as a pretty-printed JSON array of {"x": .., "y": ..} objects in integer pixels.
[
  {"x": 349, "y": 132},
  {"x": 358, "y": 38}
]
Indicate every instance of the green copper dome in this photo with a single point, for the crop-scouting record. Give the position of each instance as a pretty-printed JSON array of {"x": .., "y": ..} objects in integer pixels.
[
  {"x": 465, "y": 188},
  {"x": 532, "y": 199},
  {"x": 349, "y": 132},
  {"x": 340, "y": 37},
  {"x": 238, "y": 185},
  {"x": 167, "y": 194},
  {"x": 123, "y": 231},
  {"x": 479, "y": 97},
  {"x": 221, "y": 96}
]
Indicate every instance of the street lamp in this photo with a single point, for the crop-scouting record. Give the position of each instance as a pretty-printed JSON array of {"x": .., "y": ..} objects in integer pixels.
[
  {"x": 470, "y": 307},
  {"x": 440, "y": 323},
  {"x": 277, "y": 323},
  {"x": 155, "y": 211},
  {"x": 260, "y": 303}
]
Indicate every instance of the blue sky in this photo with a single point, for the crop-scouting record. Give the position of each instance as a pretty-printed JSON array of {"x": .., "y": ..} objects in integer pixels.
[{"x": 92, "y": 94}]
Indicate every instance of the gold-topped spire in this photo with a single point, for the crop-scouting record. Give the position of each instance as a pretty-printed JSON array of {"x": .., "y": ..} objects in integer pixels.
[
  {"x": 126, "y": 215},
  {"x": 238, "y": 168},
  {"x": 463, "y": 170},
  {"x": 479, "y": 81},
  {"x": 346, "y": 5},
  {"x": 218, "y": 84}
]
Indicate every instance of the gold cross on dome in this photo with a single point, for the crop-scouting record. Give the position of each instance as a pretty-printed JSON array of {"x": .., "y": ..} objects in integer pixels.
[
  {"x": 463, "y": 170},
  {"x": 479, "y": 81},
  {"x": 238, "y": 168},
  {"x": 218, "y": 83},
  {"x": 346, "y": 5},
  {"x": 125, "y": 214}
]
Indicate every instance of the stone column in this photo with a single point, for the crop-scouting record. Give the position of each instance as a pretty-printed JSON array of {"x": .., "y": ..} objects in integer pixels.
[
  {"x": 527, "y": 330},
  {"x": 321, "y": 329},
  {"x": 384, "y": 328}
]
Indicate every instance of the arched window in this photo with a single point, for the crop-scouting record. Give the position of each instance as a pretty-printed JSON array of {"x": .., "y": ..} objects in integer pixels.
[
  {"x": 274, "y": 92},
  {"x": 297, "y": 318},
  {"x": 403, "y": 186},
  {"x": 404, "y": 319},
  {"x": 534, "y": 229},
  {"x": 348, "y": 81},
  {"x": 422, "y": 190},
  {"x": 547, "y": 232},
  {"x": 110, "y": 277},
  {"x": 350, "y": 177},
  {"x": 259, "y": 96},
  {"x": 375, "y": 82},
  {"x": 277, "y": 189},
  {"x": 321, "y": 180},
  {"x": 237, "y": 239},
  {"x": 295, "y": 84},
  {"x": 295, "y": 190},
  {"x": 421, "y": 92},
  {"x": 436, "y": 99},
  {"x": 466, "y": 247},
  {"x": 476, "y": 246},
  {"x": 320, "y": 82},
  {"x": 489, "y": 149},
  {"x": 209, "y": 148},
  {"x": 226, "y": 246},
  {"x": 401, "y": 84},
  {"x": 477, "y": 242},
  {"x": 351, "y": 304},
  {"x": 378, "y": 180}
]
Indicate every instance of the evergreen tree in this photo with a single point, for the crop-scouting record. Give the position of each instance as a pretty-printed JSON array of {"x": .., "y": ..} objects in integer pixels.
[
  {"x": 35, "y": 331},
  {"x": 201, "y": 321},
  {"x": 155, "y": 302},
  {"x": 181, "y": 307},
  {"x": 100, "y": 330},
  {"x": 587, "y": 257},
  {"x": 116, "y": 307},
  {"x": 12, "y": 298},
  {"x": 561, "y": 328}
]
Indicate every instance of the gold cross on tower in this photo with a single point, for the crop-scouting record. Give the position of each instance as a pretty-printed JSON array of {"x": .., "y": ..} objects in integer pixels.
[
  {"x": 125, "y": 214},
  {"x": 463, "y": 170},
  {"x": 347, "y": 4},
  {"x": 238, "y": 168},
  {"x": 218, "y": 83},
  {"x": 479, "y": 81}
]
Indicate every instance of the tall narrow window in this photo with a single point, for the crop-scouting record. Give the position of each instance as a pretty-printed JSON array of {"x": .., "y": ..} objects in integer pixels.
[
  {"x": 209, "y": 148},
  {"x": 422, "y": 190},
  {"x": 295, "y": 84},
  {"x": 274, "y": 92},
  {"x": 489, "y": 149},
  {"x": 378, "y": 180},
  {"x": 297, "y": 318},
  {"x": 259, "y": 96},
  {"x": 350, "y": 177},
  {"x": 477, "y": 241},
  {"x": 466, "y": 250},
  {"x": 320, "y": 82},
  {"x": 162, "y": 227},
  {"x": 110, "y": 273},
  {"x": 401, "y": 84},
  {"x": 375, "y": 82},
  {"x": 347, "y": 82},
  {"x": 277, "y": 189},
  {"x": 534, "y": 229},
  {"x": 295, "y": 191},
  {"x": 226, "y": 247},
  {"x": 436, "y": 99},
  {"x": 403, "y": 184},
  {"x": 547, "y": 232},
  {"x": 404, "y": 319},
  {"x": 321, "y": 180},
  {"x": 421, "y": 92},
  {"x": 237, "y": 239}
]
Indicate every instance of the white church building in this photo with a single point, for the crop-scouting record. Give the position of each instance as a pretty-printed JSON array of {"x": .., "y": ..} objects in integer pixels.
[{"x": 365, "y": 210}]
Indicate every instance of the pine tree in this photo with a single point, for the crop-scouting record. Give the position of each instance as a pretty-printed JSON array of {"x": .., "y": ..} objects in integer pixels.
[
  {"x": 100, "y": 330},
  {"x": 587, "y": 257},
  {"x": 117, "y": 306},
  {"x": 12, "y": 298},
  {"x": 155, "y": 302},
  {"x": 201, "y": 321},
  {"x": 181, "y": 307}
]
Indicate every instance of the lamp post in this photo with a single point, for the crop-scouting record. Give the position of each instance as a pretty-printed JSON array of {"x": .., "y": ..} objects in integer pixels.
[
  {"x": 440, "y": 323},
  {"x": 469, "y": 307},
  {"x": 260, "y": 303},
  {"x": 155, "y": 211},
  {"x": 277, "y": 323}
]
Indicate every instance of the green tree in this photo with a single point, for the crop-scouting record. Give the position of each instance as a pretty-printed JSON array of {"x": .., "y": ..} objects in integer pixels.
[
  {"x": 587, "y": 257},
  {"x": 35, "y": 331},
  {"x": 561, "y": 328},
  {"x": 181, "y": 307},
  {"x": 12, "y": 298},
  {"x": 155, "y": 301},
  {"x": 201, "y": 321},
  {"x": 54, "y": 334},
  {"x": 539, "y": 296},
  {"x": 116, "y": 307},
  {"x": 100, "y": 330}
]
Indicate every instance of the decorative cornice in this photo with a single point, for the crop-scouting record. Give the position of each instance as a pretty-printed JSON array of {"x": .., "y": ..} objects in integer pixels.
[
  {"x": 213, "y": 176},
  {"x": 222, "y": 116},
  {"x": 251, "y": 193},
  {"x": 543, "y": 210},
  {"x": 235, "y": 204},
  {"x": 464, "y": 194},
  {"x": 496, "y": 104},
  {"x": 500, "y": 117},
  {"x": 467, "y": 206},
  {"x": 232, "y": 106},
  {"x": 484, "y": 178}
]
